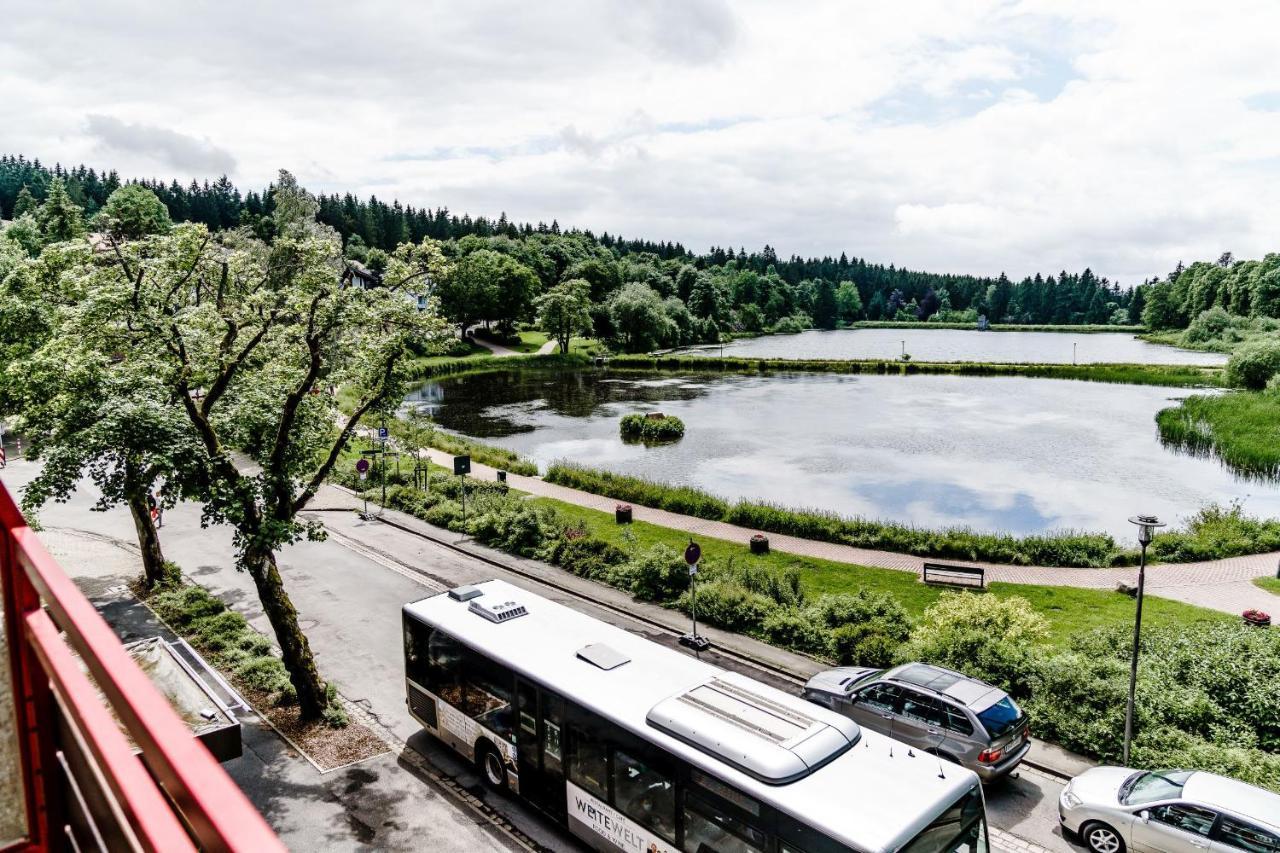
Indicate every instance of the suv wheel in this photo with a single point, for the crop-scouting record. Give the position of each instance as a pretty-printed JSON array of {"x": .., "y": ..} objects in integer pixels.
[{"x": 1101, "y": 838}]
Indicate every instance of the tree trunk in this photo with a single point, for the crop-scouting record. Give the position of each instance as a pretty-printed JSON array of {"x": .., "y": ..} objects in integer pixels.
[
  {"x": 294, "y": 648},
  {"x": 136, "y": 495}
]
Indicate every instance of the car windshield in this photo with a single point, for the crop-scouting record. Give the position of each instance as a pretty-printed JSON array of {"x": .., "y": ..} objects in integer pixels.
[
  {"x": 1142, "y": 788},
  {"x": 1001, "y": 717},
  {"x": 861, "y": 679}
]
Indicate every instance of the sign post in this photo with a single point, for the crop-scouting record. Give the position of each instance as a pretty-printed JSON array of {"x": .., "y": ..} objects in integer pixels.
[
  {"x": 362, "y": 468},
  {"x": 692, "y": 554},
  {"x": 461, "y": 467}
]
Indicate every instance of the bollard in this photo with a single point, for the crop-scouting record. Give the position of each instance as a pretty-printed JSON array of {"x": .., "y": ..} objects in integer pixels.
[{"x": 502, "y": 476}]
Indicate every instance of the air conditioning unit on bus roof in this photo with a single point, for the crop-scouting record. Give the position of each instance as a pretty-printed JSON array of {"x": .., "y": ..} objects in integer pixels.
[{"x": 497, "y": 611}]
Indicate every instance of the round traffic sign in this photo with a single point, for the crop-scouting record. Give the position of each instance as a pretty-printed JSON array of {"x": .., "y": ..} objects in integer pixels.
[
  {"x": 693, "y": 553},
  {"x": 362, "y": 465}
]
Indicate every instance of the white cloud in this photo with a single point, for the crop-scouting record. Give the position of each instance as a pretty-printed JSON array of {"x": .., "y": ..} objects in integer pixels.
[{"x": 979, "y": 137}]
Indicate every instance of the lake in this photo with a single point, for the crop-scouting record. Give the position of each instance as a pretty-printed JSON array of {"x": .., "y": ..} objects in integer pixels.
[
  {"x": 963, "y": 345},
  {"x": 1016, "y": 454}
]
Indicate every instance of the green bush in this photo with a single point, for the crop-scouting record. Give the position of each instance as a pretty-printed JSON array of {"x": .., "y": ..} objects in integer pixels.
[
  {"x": 659, "y": 574},
  {"x": 980, "y": 635},
  {"x": 797, "y": 629},
  {"x": 651, "y": 429},
  {"x": 728, "y": 605},
  {"x": 792, "y": 325},
  {"x": 514, "y": 525},
  {"x": 863, "y": 644},
  {"x": 1253, "y": 364},
  {"x": 1215, "y": 532},
  {"x": 585, "y": 556}
]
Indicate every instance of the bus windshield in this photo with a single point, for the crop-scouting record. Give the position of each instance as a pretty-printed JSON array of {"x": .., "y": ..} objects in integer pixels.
[{"x": 962, "y": 828}]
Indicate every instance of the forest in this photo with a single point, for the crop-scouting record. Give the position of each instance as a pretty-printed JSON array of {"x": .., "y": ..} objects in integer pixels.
[{"x": 641, "y": 293}]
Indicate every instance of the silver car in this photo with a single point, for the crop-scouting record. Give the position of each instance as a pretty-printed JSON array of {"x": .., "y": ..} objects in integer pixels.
[
  {"x": 937, "y": 710},
  {"x": 1114, "y": 809}
]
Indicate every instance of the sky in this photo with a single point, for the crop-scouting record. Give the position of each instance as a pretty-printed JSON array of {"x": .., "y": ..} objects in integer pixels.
[{"x": 977, "y": 137}]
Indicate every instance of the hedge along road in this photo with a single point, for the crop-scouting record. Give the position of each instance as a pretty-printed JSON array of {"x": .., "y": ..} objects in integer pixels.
[{"x": 1224, "y": 585}]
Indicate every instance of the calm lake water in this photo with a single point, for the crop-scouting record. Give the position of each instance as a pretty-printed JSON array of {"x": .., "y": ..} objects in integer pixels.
[
  {"x": 963, "y": 345},
  {"x": 1016, "y": 454}
]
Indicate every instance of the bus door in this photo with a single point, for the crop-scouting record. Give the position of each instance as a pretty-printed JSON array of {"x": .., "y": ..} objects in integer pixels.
[{"x": 540, "y": 748}]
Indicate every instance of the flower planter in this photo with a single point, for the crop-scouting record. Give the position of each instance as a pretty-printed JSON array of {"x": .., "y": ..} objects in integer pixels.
[
  {"x": 759, "y": 544},
  {"x": 622, "y": 513},
  {"x": 1257, "y": 618}
]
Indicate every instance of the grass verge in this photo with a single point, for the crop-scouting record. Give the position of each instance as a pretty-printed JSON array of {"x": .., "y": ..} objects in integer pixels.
[{"x": 1271, "y": 585}]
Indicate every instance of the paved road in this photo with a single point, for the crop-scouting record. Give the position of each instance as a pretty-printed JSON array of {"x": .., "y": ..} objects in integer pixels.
[{"x": 349, "y": 591}]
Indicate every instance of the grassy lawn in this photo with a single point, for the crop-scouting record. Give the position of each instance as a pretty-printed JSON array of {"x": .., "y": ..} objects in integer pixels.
[
  {"x": 1271, "y": 585},
  {"x": 1067, "y": 609},
  {"x": 531, "y": 340}
]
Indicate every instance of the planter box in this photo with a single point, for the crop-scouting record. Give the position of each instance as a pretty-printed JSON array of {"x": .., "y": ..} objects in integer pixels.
[
  {"x": 622, "y": 513},
  {"x": 1262, "y": 621},
  {"x": 759, "y": 544}
]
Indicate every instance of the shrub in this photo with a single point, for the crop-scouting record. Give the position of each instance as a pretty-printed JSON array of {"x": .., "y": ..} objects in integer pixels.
[
  {"x": 1253, "y": 364},
  {"x": 1210, "y": 325},
  {"x": 863, "y": 644},
  {"x": 728, "y": 605},
  {"x": 645, "y": 428},
  {"x": 792, "y": 325},
  {"x": 659, "y": 574},
  {"x": 781, "y": 587},
  {"x": 980, "y": 635},
  {"x": 586, "y": 556},
  {"x": 1218, "y": 531},
  {"x": 514, "y": 525},
  {"x": 797, "y": 629}
]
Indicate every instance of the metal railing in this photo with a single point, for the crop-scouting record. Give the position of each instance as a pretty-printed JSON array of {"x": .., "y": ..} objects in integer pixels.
[{"x": 86, "y": 786}]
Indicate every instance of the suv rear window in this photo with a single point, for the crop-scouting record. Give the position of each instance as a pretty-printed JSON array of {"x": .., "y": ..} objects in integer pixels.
[{"x": 1001, "y": 718}]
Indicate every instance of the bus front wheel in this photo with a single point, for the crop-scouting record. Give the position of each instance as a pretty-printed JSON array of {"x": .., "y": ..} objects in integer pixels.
[{"x": 489, "y": 763}]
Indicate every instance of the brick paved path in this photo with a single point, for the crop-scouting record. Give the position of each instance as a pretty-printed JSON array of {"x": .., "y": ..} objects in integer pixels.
[{"x": 1224, "y": 585}]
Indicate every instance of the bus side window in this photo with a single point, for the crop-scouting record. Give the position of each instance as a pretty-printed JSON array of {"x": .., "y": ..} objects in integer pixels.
[
  {"x": 795, "y": 837},
  {"x": 552, "y": 733},
  {"x": 589, "y": 763},
  {"x": 644, "y": 793},
  {"x": 416, "y": 639},
  {"x": 444, "y": 668},
  {"x": 487, "y": 696},
  {"x": 710, "y": 829}
]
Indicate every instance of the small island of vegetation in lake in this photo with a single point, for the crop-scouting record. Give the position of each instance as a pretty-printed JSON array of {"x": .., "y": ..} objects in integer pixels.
[{"x": 654, "y": 427}]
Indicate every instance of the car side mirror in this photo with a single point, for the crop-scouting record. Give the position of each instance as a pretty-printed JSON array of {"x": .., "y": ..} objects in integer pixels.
[{"x": 1145, "y": 814}]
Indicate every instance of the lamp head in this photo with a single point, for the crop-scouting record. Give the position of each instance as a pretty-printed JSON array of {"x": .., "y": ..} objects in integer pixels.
[{"x": 1147, "y": 525}]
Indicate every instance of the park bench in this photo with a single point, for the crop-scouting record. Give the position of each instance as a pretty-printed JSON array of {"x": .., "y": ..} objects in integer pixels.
[{"x": 944, "y": 575}]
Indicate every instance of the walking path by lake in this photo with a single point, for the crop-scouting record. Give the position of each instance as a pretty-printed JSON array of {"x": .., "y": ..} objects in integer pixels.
[{"x": 1225, "y": 585}]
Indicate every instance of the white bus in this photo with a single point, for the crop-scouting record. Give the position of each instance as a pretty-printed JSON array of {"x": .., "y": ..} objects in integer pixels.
[{"x": 637, "y": 747}]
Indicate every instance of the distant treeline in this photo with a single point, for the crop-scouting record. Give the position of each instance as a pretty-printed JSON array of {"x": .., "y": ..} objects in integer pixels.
[{"x": 724, "y": 290}]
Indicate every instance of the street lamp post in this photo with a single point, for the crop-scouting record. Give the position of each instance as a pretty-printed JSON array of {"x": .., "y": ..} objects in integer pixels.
[{"x": 1147, "y": 525}]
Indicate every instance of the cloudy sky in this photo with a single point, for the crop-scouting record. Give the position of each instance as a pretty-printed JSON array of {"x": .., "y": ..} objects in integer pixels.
[{"x": 965, "y": 137}]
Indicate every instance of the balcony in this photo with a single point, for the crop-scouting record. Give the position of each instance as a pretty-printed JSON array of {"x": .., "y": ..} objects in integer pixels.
[{"x": 98, "y": 761}]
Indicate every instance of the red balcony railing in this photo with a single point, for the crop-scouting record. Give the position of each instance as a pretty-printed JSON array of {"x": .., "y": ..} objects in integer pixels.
[{"x": 86, "y": 787}]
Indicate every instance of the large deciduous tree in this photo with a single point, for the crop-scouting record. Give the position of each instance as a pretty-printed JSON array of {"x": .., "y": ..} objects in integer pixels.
[
  {"x": 88, "y": 400},
  {"x": 134, "y": 211},
  {"x": 247, "y": 338},
  {"x": 565, "y": 311}
]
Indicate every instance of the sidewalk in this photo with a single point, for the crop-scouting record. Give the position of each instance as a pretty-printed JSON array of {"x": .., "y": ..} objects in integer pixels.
[{"x": 1224, "y": 585}]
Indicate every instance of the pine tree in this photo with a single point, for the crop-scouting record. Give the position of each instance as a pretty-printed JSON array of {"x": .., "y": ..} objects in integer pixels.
[
  {"x": 59, "y": 217},
  {"x": 26, "y": 202}
]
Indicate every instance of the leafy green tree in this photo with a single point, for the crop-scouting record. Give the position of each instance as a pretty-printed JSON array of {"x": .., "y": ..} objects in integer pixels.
[
  {"x": 565, "y": 311},
  {"x": 486, "y": 285},
  {"x": 245, "y": 337},
  {"x": 24, "y": 234},
  {"x": 134, "y": 211},
  {"x": 825, "y": 309},
  {"x": 59, "y": 217},
  {"x": 639, "y": 318},
  {"x": 848, "y": 302}
]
